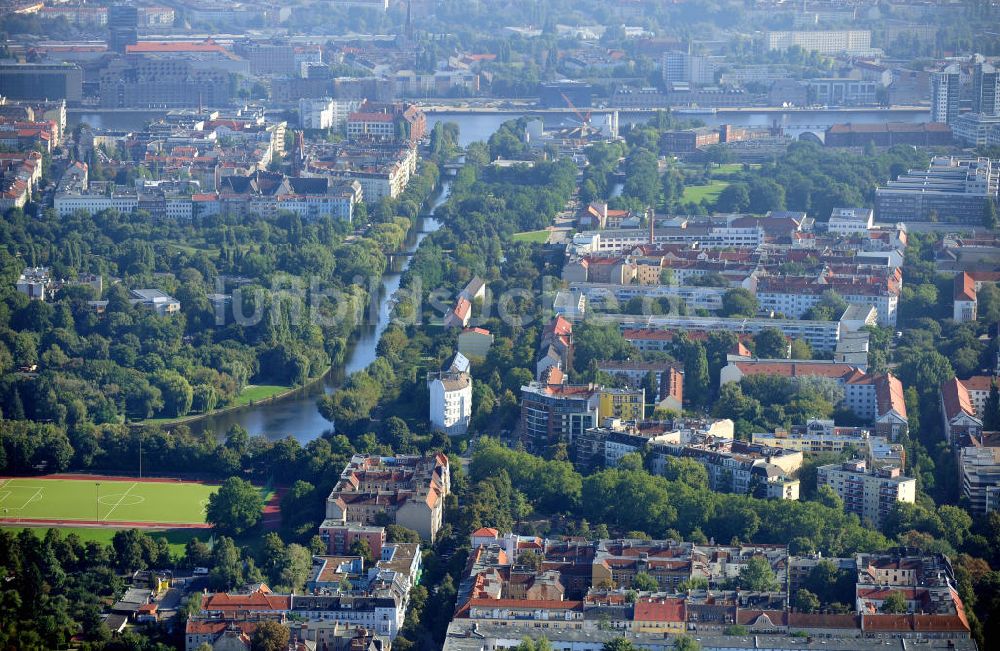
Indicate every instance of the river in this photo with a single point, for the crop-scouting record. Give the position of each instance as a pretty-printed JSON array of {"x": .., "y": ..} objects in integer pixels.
[
  {"x": 296, "y": 415},
  {"x": 480, "y": 126}
]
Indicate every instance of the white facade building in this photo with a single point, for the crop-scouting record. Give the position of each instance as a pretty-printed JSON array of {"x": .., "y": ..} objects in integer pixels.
[
  {"x": 450, "y": 402},
  {"x": 870, "y": 495},
  {"x": 851, "y": 221},
  {"x": 325, "y": 113},
  {"x": 823, "y": 41}
]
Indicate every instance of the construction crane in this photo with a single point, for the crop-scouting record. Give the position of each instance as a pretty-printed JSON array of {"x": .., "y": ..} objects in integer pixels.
[{"x": 583, "y": 117}]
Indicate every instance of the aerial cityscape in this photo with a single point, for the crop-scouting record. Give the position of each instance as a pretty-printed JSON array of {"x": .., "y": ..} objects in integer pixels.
[{"x": 500, "y": 325}]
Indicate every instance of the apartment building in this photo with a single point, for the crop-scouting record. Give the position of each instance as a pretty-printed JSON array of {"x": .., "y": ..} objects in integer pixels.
[
  {"x": 821, "y": 335},
  {"x": 869, "y": 494},
  {"x": 387, "y": 123},
  {"x": 379, "y": 608},
  {"x": 849, "y": 41},
  {"x": 382, "y": 171},
  {"x": 450, "y": 401},
  {"x": 19, "y": 175},
  {"x": 36, "y": 283},
  {"x": 555, "y": 348},
  {"x": 409, "y": 489},
  {"x": 877, "y": 398},
  {"x": 851, "y": 221},
  {"x": 976, "y": 129},
  {"x": 946, "y": 92},
  {"x": 738, "y": 467},
  {"x": 623, "y": 404},
  {"x": 794, "y": 296},
  {"x": 325, "y": 112},
  {"x": 583, "y": 594},
  {"x": 962, "y": 415},
  {"x": 820, "y": 436},
  {"x": 668, "y": 379},
  {"x": 608, "y": 295},
  {"x": 979, "y": 466},
  {"x": 557, "y": 413}
]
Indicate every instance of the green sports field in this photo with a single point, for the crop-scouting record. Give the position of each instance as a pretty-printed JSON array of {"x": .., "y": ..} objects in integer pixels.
[{"x": 103, "y": 500}]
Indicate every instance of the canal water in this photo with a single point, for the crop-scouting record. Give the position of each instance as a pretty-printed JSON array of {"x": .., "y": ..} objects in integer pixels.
[{"x": 296, "y": 415}]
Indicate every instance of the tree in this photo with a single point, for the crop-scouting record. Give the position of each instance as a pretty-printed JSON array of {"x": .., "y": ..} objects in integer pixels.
[
  {"x": 770, "y": 343},
  {"x": 990, "y": 214},
  {"x": 295, "y": 572},
  {"x": 642, "y": 179},
  {"x": 227, "y": 572},
  {"x": 197, "y": 553},
  {"x": 991, "y": 411},
  {"x": 128, "y": 548},
  {"x": 360, "y": 547},
  {"x": 739, "y": 301},
  {"x": 595, "y": 341},
  {"x": 801, "y": 349},
  {"x": 733, "y": 198},
  {"x": 757, "y": 575},
  {"x": 696, "y": 380},
  {"x": 766, "y": 194},
  {"x": 619, "y": 644},
  {"x": 894, "y": 603},
  {"x": 645, "y": 583},
  {"x": 805, "y": 601},
  {"x": 686, "y": 643},
  {"x": 528, "y": 644},
  {"x": 177, "y": 393},
  {"x": 395, "y": 533},
  {"x": 236, "y": 507},
  {"x": 269, "y": 636}
]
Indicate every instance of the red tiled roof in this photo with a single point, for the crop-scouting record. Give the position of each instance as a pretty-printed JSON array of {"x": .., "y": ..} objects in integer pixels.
[
  {"x": 965, "y": 287},
  {"x": 978, "y": 383},
  {"x": 526, "y": 603},
  {"x": 462, "y": 308},
  {"x": 258, "y": 600},
  {"x": 370, "y": 117},
  {"x": 143, "y": 47},
  {"x": 483, "y": 532},
  {"x": 889, "y": 395},
  {"x": 795, "y": 369},
  {"x": 659, "y": 610},
  {"x": 956, "y": 399}
]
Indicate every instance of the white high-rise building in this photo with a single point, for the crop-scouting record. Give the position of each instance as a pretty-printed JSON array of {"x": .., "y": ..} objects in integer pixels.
[
  {"x": 451, "y": 402},
  {"x": 945, "y": 89}
]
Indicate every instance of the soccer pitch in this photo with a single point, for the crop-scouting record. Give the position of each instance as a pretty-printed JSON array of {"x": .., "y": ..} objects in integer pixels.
[{"x": 103, "y": 500}]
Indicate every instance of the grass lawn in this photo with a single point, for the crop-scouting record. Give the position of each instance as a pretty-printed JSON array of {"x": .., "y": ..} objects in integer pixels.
[
  {"x": 192, "y": 250},
  {"x": 103, "y": 500},
  {"x": 257, "y": 392},
  {"x": 251, "y": 393},
  {"x": 696, "y": 193},
  {"x": 535, "y": 237},
  {"x": 176, "y": 538}
]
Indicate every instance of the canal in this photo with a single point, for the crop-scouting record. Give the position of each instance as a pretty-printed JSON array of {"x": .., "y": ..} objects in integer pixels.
[{"x": 296, "y": 414}]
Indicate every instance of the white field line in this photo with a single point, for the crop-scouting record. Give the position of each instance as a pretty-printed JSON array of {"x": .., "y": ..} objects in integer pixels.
[{"x": 120, "y": 500}]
